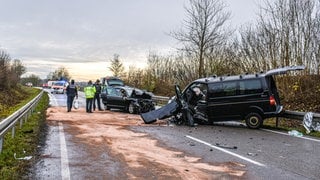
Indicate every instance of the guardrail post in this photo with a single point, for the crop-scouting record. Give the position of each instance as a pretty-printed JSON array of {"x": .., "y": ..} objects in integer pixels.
[
  {"x": 21, "y": 122},
  {"x": 1, "y": 143},
  {"x": 277, "y": 122},
  {"x": 13, "y": 131}
]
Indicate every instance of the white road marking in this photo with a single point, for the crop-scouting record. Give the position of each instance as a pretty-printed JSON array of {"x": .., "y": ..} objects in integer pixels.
[
  {"x": 225, "y": 151},
  {"x": 277, "y": 132},
  {"x": 65, "y": 173}
]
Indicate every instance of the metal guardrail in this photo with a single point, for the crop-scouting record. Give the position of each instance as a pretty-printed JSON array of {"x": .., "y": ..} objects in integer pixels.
[
  {"x": 298, "y": 115},
  {"x": 20, "y": 115},
  {"x": 161, "y": 99}
]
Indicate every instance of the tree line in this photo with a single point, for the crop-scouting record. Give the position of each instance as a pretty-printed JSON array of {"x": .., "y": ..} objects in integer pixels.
[
  {"x": 286, "y": 33},
  {"x": 10, "y": 71}
]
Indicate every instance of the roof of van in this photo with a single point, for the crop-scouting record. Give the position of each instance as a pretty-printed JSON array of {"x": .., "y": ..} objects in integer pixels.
[
  {"x": 277, "y": 71},
  {"x": 229, "y": 78}
]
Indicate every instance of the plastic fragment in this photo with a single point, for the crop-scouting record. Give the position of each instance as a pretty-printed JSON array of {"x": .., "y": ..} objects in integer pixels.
[
  {"x": 22, "y": 158},
  {"x": 295, "y": 133}
]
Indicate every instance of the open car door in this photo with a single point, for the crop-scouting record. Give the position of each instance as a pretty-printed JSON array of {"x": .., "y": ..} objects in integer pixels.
[{"x": 166, "y": 111}]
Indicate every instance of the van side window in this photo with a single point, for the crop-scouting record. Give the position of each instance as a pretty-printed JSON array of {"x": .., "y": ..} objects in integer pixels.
[
  {"x": 215, "y": 90},
  {"x": 252, "y": 86},
  {"x": 223, "y": 89},
  {"x": 230, "y": 88}
]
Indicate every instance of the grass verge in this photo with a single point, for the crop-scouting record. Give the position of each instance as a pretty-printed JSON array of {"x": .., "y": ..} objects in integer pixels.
[
  {"x": 24, "y": 143},
  {"x": 288, "y": 125}
]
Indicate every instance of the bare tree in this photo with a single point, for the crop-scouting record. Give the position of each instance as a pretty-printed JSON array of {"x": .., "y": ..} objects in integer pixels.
[
  {"x": 203, "y": 30},
  {"x": 287, "y": 33},
  {"x": 17, "y": 69},
  {"x": 4, "y": 69},
  {"x": 116, "y": 66},
  {"x": 61, "y": 73}
]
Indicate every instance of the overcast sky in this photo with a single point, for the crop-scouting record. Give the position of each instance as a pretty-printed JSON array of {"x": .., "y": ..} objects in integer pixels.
[{"x": 83, "y": 35}]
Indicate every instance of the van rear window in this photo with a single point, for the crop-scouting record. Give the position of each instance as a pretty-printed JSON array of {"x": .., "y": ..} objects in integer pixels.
[{"x": 251, "y": 86}]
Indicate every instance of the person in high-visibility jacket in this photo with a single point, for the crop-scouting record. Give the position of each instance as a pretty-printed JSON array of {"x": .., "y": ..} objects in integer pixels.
[{"x": 89, "y": 92}]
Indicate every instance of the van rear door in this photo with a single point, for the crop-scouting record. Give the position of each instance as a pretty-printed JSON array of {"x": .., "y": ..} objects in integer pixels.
[{"x": 284, "y": 70}]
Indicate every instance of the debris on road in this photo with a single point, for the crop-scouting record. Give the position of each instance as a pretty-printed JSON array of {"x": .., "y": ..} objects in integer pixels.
[
  {"x": 295, "y": 133},
  {"x": 22, "y": 158},
  {"x": 226, "y": 147}
]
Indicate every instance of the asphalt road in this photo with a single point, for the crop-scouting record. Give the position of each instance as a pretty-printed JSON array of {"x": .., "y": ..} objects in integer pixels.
[{"x": 265, "y": 154}]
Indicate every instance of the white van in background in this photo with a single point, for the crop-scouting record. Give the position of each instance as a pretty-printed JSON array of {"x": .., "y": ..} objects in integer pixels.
[{"x": 59, "y": 87}]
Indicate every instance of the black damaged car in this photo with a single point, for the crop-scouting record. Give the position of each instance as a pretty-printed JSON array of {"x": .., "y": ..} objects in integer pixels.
[
  {"x": 249, "y": 97},
  {"x": 129, "y": 99}
]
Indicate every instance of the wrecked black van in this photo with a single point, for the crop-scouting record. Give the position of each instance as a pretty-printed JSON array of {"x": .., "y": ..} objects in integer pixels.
[{"x": 249, "y": 97}]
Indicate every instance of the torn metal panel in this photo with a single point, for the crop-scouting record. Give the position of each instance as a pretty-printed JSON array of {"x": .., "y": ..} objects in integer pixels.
[
  {"x": 161, "y": 113},
  {"x": 309, "y": 123}
]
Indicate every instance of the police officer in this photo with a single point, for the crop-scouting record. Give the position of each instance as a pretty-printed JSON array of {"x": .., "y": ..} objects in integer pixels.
[
  {"x": 89, "y": 92},
  {"x": 71, "y": 93},
  {"x": 96, "y": 99}
]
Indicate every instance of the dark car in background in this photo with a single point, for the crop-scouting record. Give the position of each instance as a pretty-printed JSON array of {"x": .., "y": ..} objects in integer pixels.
[
  {"x": 129, "y": 99},
  {"x": 249, "y": 97},
  {"x": 111, "y": 81}
]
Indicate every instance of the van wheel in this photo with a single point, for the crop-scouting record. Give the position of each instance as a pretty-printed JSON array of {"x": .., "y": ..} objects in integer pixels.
[{"x": 254, "y": 121}]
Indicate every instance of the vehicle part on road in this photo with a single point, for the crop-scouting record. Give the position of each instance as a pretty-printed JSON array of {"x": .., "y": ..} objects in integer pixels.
[
  {"x": 161, "y": 113},
  {"x": 309, "y": 123},
  {"x": 226, "y": 147}
]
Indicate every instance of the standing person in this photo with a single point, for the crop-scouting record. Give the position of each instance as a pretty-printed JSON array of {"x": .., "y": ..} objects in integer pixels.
[
  {"x": 71, "y": 93},
  {"x": 89, "y": 92},
  {"x": 97, "y": 85}
]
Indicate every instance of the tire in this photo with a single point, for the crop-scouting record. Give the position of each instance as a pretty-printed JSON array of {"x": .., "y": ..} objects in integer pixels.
[
  {"x": 131, "y": 108},
  {"x": 254, "y": 121},
  {"x": 107, "y": 107}
]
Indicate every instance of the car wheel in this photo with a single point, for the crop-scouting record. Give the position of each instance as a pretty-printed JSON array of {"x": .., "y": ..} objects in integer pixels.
[
  {"x": 131, "y": 108},
  {"x": 254, "y": 120}
]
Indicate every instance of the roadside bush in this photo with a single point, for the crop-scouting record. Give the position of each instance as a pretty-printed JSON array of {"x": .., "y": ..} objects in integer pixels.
[{"x": 300, "y": 93}]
